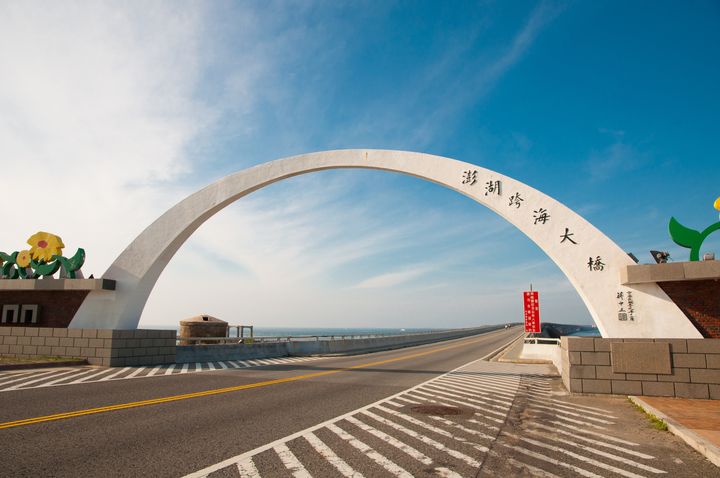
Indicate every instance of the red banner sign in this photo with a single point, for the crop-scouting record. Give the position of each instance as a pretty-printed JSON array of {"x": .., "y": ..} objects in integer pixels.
[{"x": 532, "y": 311}]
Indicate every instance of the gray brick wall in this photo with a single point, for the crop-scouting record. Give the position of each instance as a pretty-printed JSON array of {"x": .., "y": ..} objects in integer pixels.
[
  {"x": 695, "y": 369},
  {"x": 99, "y": 347}
]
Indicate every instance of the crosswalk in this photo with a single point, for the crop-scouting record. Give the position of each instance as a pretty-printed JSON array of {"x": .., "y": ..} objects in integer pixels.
[
  {"x": 483, "y": 419},
  {"x": 26, "y": 379}
]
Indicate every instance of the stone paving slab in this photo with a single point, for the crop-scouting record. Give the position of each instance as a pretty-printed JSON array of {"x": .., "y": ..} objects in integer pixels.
[{"x": 697, "y": 422}]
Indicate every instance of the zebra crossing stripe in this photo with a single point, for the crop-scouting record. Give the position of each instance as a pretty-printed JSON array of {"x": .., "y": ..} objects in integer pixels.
[
  {"x": 604, "y": 454},
  {"x": 185, "y": 368},
  {"x": 487, "y": 392},
  {"x": 23, "y": 384},
  {"x": 466, "y": 403},
  {"x": 291, "y": 462},
  {"x": 573, "y": 414},
  {"x": 119, "y": 372},
  {"x": 590, "y": 432},
  {"x": 101, "y": 372},
  {"x": 327, "y": 453},
  {"x": 247, "y": 469},
  {"x": 422, "y": 458},
  {"x": 170, "y": 369},
  {"x": 538, "y": 456},
  {"x": 585, "y": 459},
  {"x": 393, "y": 468},
  {"x": 136, "y": 372},
  {"x": 559, "y": 404},
  {"x": 425, "y": 439},
  {"x": 24, "y": 377},
  {"x": 464, "y": 394},
  {"x": 154, "y": 371},
  {"x": 594, "y": 442}
]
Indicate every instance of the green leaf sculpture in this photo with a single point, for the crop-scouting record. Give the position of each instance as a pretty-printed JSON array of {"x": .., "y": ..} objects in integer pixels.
[
  {"x": 72, "y": 265},
  {"x": 690, "y": 238}
]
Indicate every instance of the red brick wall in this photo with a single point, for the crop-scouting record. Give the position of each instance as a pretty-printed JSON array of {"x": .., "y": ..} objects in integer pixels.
[
  {"x": 700, "y": 301},
  {"x": 56, "y": 307}
]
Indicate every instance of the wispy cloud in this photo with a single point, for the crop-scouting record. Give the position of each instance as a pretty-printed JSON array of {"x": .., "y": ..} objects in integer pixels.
[
  {"x": 392, "y": 279},
  {"x": 619, "y": 157}
]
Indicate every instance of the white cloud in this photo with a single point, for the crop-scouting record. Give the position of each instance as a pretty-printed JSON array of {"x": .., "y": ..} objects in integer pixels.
[{"x": 391, "y": 279}]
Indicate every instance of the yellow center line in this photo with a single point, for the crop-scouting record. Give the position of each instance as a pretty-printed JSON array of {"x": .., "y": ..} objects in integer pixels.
[{"x": 205, "y": 393}]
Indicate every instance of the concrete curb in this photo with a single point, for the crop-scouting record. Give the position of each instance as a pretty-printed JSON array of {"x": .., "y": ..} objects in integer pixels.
[
  {"x": 22, "y": 366},
  {"x": 700, "y": 444},
  {"x": 491, "y": 356}
]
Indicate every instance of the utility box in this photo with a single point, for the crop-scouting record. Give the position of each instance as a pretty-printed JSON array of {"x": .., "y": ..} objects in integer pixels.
[{"x": 202, "y": 326}]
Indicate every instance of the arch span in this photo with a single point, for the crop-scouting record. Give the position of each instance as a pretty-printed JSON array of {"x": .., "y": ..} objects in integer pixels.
[{"x": 589, "y": 259}]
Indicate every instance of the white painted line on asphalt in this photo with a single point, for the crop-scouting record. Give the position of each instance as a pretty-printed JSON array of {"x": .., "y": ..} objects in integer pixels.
[
  {"x": 210, "y": 365},
  {"x": 426, "y": 439},
  {"x": 487, "y": 392},
  {"x": 185, "y": 368},
  {"x": 111, "y": 376},
  {"x": 393, "y": 468},
  {"x": 585, "y": 459},
  {"x": 80, "y": 372},
  {"x": 604, "y": 454},
  {"x": 404, "y": 399},
  {"x": 223, "y": 365},
  {"x": 594, "y": 442},
  {"x": 591, "y": 408},
  {"x": 455, "y": 398},
  {"x": 565, "y": 405},
  {"x": 464, "y": 395},
  {"x": 443, "y": 472},
  {"x": 422, "y": 458},
  {"x": 136, "y": 372},
  {"x": 247, "y": 469},
  {"x": 452, "y": 424},
  {"x": 234, "y": 364},
  {"x": 535, "y": 471},
  {"x": 490, "y": 427},
  {"x": 253, "y": 363},
  {"x": 414, "y": 394},
  {"x": 538, "y": 456},
  {"x": 244, "y": 456},
  {"x": 198, "y": 366},
  {"x": 291, "y": 462},
  {"x": 154, "y": 371},
  {"x": 15, "y": 375},
  {"x": 590, "y": 432},
  {"x": 579, "y": 422},
  {"x": 573, "y": 414},
  {"x": 327, "y": 453},
  {"x": 170, "y": 369},
  {"x": 25, "y": 378},
  {"x": 501, "y": 389},
  {"x": 23, "y": 384},
  {"x": 101, "y": 372}
]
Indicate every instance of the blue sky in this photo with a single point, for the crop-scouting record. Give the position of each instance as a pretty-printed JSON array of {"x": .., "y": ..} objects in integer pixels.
[{"x": 114, "y": 112}]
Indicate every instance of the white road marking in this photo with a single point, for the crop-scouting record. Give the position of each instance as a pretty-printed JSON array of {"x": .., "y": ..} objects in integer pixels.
[
  {"x": 577, "y": 456},
  {"x": 23, "y": 384},
  {"x": 185, "y": 368},
  {"x": 247, "y": 469},
  {"x": 24, "y": 377},
  {"x": 136, "y": 372},
  {"x": 564, "y": 406},
  {"x": 170, "y": 369},
  {"x": 573, "y": 414},
  {"x": 154, "y": 371},
  {"x": 101, "y": 372},
  {"x": 393, "y": 468},
  {"x": 594, "y": 442},
  {"x": 291, "y": 462},
  {"x": 425, "y": 460},
  {"x": 464, "y": 395},
  {"x": 590, "y": 432},
  {"x": 427, "y": 440},
  {"x": 538, "y": 456},
  {"x": 604, "y": 454},
  {"x": 223, "y": 365},
  {"x": 327, "y": 453}
]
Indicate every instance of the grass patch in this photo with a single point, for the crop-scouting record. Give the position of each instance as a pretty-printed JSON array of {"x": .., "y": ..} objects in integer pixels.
[{"x": 655, "y": 422}]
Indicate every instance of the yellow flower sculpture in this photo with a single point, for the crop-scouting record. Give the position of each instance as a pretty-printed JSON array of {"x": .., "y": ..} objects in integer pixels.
[
  {"x": 23, "y": 259},
  {"x": 717, "y": 204},
  {"x": 45, "y": 246}
]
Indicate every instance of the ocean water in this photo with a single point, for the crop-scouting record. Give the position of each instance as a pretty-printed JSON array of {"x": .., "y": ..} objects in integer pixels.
[{"x": 295, "y": 331}]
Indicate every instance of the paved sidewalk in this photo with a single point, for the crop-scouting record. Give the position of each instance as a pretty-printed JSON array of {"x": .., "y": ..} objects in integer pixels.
[{"x": 697, "y": 422}]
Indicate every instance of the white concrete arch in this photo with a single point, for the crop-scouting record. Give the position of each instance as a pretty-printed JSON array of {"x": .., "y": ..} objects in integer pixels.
[{"x": 139, "y": 266}]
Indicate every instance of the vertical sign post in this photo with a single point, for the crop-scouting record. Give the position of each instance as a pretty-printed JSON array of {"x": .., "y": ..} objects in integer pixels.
[{"x": 532, "y": 311}]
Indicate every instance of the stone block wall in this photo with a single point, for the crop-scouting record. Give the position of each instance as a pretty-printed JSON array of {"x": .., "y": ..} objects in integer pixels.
[
  {"x": 99, "y": 347},
  {"x": 687, "y": 368}
]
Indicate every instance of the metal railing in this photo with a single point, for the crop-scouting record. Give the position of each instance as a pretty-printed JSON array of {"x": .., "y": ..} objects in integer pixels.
[{"x": 541, "y": 341}]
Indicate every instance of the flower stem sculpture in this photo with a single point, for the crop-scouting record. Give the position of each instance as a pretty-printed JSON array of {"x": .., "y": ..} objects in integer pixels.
[{"x": 690, "y": 238}]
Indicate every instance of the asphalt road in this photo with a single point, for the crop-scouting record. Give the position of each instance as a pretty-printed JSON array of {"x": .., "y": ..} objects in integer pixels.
[{"x": 181, "y": 436}]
